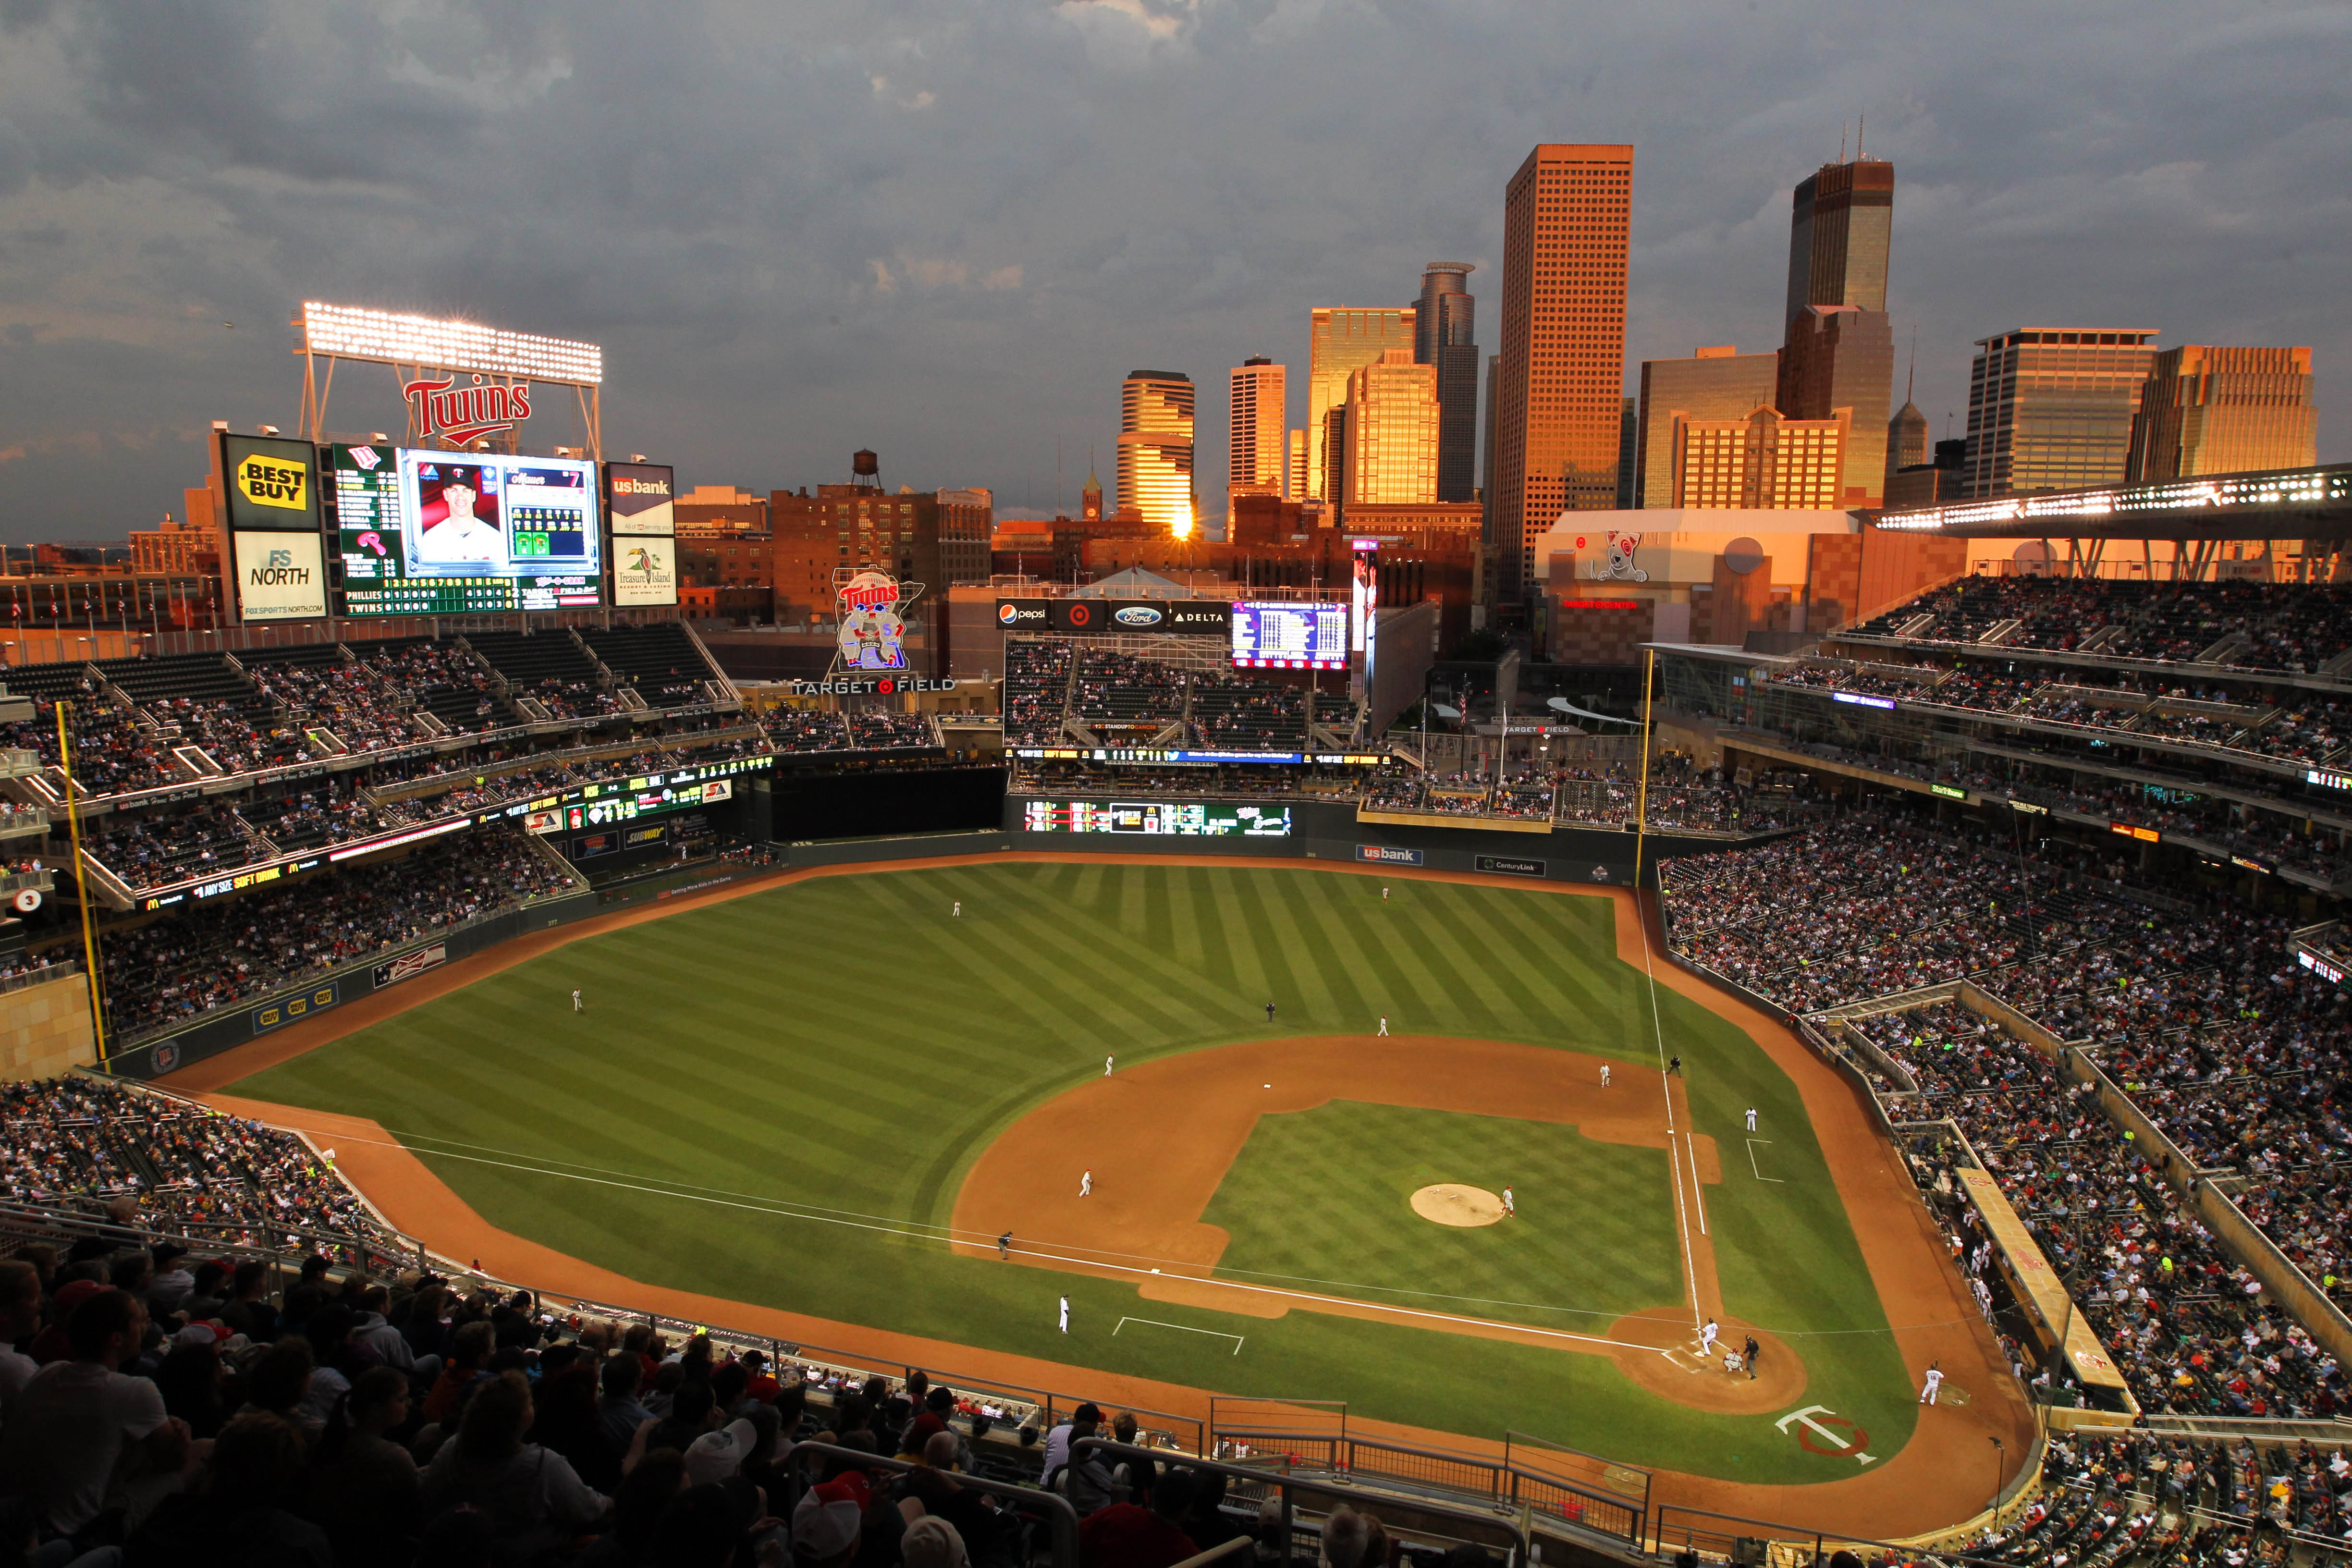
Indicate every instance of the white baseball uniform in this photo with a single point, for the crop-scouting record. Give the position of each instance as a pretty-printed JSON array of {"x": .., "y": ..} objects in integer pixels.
[
  {"x": 1935, "y": 1382},
  {"x": 1086, "y": 1184}
]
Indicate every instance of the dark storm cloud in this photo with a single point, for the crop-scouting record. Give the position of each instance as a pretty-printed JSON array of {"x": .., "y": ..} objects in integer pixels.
[{"x": 946, "y": 230}]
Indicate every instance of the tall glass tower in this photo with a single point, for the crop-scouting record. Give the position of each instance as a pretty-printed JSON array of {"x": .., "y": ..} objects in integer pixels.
[
  {"x": 1444, "y": 333},
  {"x": 1155, "y": 449}
]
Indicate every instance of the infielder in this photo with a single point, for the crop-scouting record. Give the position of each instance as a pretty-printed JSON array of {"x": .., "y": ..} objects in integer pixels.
[
  {"x": 1604, "y": 1075},
  {"x": 1935, "y": 1382},
  {"x": 1751, "y": 1118},
  {"x": 1109, "y": 1062},
  {"x": 1086, "y": 1184},
  {"x": 1065, "y": 1314},
  {"x": 577, "y": 1006},
  {"x": 1384, "y": 1028},
  {"x": 1707, "y": 1338}
]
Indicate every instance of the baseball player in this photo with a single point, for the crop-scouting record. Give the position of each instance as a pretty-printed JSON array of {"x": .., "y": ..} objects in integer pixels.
[
  {"x": 1935, "y": 1382},
  {"x": 1751, "y": 1118},
  {"x": 1384, "y": 1028},
  {"x": 1086, "y": 1184},
  {"x": 1604, "y": 1075},
  {"x": 1109, "y": 1062},
  {"x": 1510, "y": 1207},
  {"x": 1674, "y": 1066},
  {"x": 1065, "y": 1314},
  {"x": 1384, "y": 895},
  {"x": 958, "y": 909},
  {"x": 1269, "y": 1012},
  {"x": 578, "y": 1005},
  {"x": 1707, "y": 1338},
  {"x": 1004, "y": 1245}
]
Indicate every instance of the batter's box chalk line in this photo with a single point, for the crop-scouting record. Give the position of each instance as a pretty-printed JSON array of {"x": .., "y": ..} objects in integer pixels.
[{"x": 1184, "y": 1328}]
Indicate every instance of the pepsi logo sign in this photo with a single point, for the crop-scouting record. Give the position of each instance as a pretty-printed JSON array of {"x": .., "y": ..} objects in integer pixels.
[
  {"x": 1137, "y": 615},
  {"x": 1008, "y": 613}
]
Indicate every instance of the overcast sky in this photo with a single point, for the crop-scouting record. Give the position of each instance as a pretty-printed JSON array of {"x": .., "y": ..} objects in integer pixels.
[{"x": 947, "y": 228}]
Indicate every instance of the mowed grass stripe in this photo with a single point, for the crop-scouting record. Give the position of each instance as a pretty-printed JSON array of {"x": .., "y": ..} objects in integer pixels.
[
  {"x": 1560, "y": 956},
  {"x": 1240, "y": 937},
  {"x": 1142, "y": 999},
  {"x": 1301, "y": 966},
  {"x": 1333, "y": 919}
]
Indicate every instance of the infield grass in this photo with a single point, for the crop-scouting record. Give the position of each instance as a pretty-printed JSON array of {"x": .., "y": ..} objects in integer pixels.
[{"x": 843, "y": 1047}]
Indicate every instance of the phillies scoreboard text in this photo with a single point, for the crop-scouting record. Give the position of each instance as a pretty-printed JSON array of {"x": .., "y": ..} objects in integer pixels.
[
  {"x": 1290, "y": 636},
  {"x": 1184, "y": 819},
  {"x": 430, "y": 534}
]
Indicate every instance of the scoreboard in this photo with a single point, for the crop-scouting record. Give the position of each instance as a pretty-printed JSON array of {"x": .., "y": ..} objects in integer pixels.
[
  {"x": 1187, "y": 820},
  {"x": 434, "y": 533},
  {"x": 1290, "y": 636}
]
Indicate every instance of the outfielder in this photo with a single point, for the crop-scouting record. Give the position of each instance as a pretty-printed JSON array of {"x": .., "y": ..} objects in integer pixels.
[
  {"x": 1751, "y": 1118},
  {"x": 1108, "y": 1063},
  {"x": 577, "y": 1006},
  {"x": 958, "y": 909}
]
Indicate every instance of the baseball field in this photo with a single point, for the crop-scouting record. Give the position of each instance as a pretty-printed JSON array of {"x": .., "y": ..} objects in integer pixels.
[{"x": 834, "y": 1096}]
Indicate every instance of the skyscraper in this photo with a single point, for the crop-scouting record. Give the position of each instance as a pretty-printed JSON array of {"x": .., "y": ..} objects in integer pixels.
[
  {"x": 1255, "y": 414},
  {"x": 1342, "y": 341},
  {"x": 1758, "y": 460},
  {"x": 2212, "y": 410},
  {"x": 1841, "y": 225},
  {"x": 1559, "y": 409},
  {"x": 1842, "y": 356},
  {"x": 1444, "y": 335},
  {"x": 1393, "y": 434},
  {"x": 2050, "y": 408},
  {"x": 1155, "y": 449},
  {"x": 1717, "y": 382}
]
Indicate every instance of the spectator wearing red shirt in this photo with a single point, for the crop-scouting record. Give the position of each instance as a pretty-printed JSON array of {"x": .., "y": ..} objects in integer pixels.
[{"x": 1123, "y": 1535}]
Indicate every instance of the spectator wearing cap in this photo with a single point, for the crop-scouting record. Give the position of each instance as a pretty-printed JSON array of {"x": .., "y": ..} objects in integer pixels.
[
  {"x": 76, "y": 1420},
  {"x": 932, "y": 1542},
  {"x": 53, "y": 1344},
  {"x": 757, "y": 1384},
  {"x": 1125, "y": 1535},
  {"x": 192, "y": 1379},
  {"x": 716, "y": 1455},
  {"x": 1081, "y": 1424},
  {"x": 830, "y": 1521}
]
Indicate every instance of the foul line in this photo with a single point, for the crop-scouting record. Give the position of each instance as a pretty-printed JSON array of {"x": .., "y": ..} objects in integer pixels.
[
  {"x": 1658, "y": 1032},
  {"x": 1186, "y": 1328},
  {"x": 1751, "y": 1159}
]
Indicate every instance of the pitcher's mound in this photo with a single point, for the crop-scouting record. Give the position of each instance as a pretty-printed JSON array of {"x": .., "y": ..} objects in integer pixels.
[{"x": 1449, "y": 1202}]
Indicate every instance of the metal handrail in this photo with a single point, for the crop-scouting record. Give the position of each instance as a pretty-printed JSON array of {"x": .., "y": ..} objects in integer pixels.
[
  {"x": 1289, "y": 1483},
  {"x": 1057, "y": 1509}
]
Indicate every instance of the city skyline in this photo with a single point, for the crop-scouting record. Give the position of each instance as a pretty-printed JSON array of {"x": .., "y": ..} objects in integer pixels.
[{"x": 886, "y": 281}]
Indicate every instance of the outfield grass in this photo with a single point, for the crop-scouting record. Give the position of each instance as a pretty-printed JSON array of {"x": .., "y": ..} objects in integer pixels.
[
  {"x": 1593, "y": 1238},
  {"x": 844, "y": 1042}
]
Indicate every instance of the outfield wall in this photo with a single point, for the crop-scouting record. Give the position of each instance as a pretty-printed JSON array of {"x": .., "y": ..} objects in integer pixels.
[{"x": 156, "y": 1055}]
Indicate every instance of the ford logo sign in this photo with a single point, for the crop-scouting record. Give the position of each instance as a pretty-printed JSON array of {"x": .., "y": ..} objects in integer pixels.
[{"x": 1137, "y": 615}]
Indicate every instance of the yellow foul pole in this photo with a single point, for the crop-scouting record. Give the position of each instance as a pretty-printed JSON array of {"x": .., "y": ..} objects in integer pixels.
[{"x": 82, "y": 889}]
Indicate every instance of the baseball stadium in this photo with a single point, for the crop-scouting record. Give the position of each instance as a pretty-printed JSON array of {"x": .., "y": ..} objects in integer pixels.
[{"x": 1180, "y": 1041}]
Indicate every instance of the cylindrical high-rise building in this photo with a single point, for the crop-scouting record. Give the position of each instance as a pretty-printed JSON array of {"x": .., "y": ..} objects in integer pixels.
[
  {"x": 1155, "y": 449},
  {"x": 1444, "y": 333}
]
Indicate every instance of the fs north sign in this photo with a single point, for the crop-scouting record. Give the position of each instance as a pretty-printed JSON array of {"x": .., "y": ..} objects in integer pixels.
[{"x": 460, "y": 413}]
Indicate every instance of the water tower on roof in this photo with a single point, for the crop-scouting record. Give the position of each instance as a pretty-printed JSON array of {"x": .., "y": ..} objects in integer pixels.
[{"x": 864, "y": 468}]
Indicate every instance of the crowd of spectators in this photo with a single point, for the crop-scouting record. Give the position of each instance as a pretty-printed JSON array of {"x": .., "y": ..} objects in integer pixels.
[
  {"x": 2288, "y": 626},
  {"x": 83, "y": 1143},
  {"x": 197, "y": 958},
  {"x": 1236, "y": 710},
  {"x": 148, "y": 851},
  {"x": 112, "y": 751},
  {"x": 349, "y": 699},
  {"x": 442, "y": 679},
  {"x": 330, "y": 812},
  {"x": 1036, "y": 690},
  {"x": 1118, "y": 688},
  {"x": 345, "y": 1420}
]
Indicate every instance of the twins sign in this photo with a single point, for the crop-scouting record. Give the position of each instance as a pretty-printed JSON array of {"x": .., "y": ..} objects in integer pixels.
[{"x": 458, "y": 414}]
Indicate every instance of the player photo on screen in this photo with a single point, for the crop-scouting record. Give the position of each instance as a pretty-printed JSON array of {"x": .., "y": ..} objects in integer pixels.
[{"x": 458, "y": 514}]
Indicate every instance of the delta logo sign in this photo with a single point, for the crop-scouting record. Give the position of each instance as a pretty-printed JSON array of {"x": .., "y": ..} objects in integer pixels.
[{"x": 459, "y": 414}]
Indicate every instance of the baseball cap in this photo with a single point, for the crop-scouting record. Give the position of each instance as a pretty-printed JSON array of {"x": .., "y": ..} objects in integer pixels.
[
  {"x": 203, "y": 1333},
  {"x": 718, "y": 1454},
  {"x": 1089, "y": 1412},
  {"x": 931, "y": 1542},
  {"x": 827, "y": 1520}
]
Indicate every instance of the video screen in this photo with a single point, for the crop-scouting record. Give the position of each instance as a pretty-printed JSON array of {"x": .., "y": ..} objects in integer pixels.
[
  {"x": 1290, "y": 636},
  {"x": 430, "y": 534},
  {"x": 1188, "y": 819}
]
